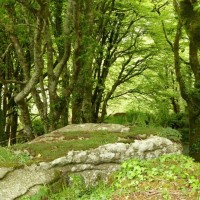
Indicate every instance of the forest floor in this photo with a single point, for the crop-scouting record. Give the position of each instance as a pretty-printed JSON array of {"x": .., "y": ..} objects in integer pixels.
[
  {"x": 47, "y": 148},
  {"x": 165, "y": 178}
]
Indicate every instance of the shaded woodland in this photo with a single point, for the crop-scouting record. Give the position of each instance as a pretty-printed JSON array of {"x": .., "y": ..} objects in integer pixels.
[{"x": 74, "y": 59}]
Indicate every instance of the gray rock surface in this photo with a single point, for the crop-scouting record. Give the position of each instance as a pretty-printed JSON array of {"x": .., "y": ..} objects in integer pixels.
[
  {"x": 95, "y": 127},
  {"x": 91, "y": 164},
  {"x": 18, "y": 182},
  {"x": 89, "y": 127},
  {"x": 4, "y": 171}
]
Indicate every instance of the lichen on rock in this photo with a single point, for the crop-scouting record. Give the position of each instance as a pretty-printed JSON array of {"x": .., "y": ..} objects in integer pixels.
[{"x": 91, "y": 164}]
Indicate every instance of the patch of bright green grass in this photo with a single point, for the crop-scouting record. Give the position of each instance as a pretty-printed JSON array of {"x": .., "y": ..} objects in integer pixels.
[
  {"x": 168, "y": 132},
  {"x": 46, "y": 151},
  {"x": 9, "y": 159},
  {"x": 166, "y": 177},
  {"x": 117, "y": 120},
  {"x": 50, "y": 150},
  {"x": 134, "y": 130}
]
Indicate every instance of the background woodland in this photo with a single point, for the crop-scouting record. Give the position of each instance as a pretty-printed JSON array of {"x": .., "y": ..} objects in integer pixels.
[{"x": 78, "y": 61}]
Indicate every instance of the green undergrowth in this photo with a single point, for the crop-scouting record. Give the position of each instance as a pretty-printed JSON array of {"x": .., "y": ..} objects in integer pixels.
[
  {"x": 169, "y": 177},
  {"x": 8, "y": 158},
  {"x": 46, "y": 151},
  {"x": 166, "y": 177},
  {"x": 50, "y": 150}
]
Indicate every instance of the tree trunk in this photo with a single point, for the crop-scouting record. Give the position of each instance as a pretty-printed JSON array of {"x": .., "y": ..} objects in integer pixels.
[
  {"x": 77, "y": 102},
  {"x": 190, "y": 18},
  {"x": 83, "y": 57},
  {"x": 194, "y": 135},
  {"x": 66, "y": 99},
  {"x": 14, "y": 125},
  {"x": 2, "y": 120},
  {"x": 26, "y": 120},
  {"x": 31, "y": 80},
  {"x": 175, "y": 105},
  {"x": 57, "y": 103},
  {"x": 2, "y": 129}
]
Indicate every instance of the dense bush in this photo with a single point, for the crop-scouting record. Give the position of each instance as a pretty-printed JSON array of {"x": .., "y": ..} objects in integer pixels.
[
  {"x": 143, "y": 119},
  {"x": 171, "y": 134},
  {"x": 132, "y": 118},
  {"x": 37, "y": 127}
]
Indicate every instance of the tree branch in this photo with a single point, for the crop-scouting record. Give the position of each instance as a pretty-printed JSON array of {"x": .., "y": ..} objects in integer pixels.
[
  {"x": 6, "y": 51},
  {"x": 37, "y": 59},
  {"x": 3, "y": 81}
]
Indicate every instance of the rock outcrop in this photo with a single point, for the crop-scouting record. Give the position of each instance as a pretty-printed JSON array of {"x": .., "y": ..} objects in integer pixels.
[
  {"x": 87, "y": 127},
  {"x": 91, "y": 164}
]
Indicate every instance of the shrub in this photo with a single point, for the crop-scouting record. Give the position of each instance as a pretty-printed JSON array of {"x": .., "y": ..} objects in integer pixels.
[
  {"x": 158, "y": 175},
  {"x": 117, "y": 118},
  {"x": 177, "y": 120},
  {"x": 171, "y": 134},
  {"x": 132, "y": 117},
  {"x": 38, "y": 128}
]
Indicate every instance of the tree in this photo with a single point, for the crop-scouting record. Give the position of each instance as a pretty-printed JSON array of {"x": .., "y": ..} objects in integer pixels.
[
  {"x": 188, "y": 17},
  {"x": 22, "y": 52},
  {"x": 82, "y": 61},
  {"x": 28, "y": 27},
  {"x": 122, "y": 52},
  {"x": 78, "y": 55}
]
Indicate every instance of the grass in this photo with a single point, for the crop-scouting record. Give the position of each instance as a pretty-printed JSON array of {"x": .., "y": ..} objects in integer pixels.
[
  {"x": 9, "y": 159},
  {"x": 166, "y": 177},
  {"x": 169, "y": 177},
  {"x": 50, "y": 150},
  {"x": 46, "y": 151}
]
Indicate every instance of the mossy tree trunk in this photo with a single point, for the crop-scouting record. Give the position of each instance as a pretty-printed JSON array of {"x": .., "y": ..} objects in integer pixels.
[
  {"x": 11, "y": 121},
  {"x": 30, "y": 81},
  {"x": 2, "y": 129},
  {"x": 59, "y": 103},
  {"x": 189, "y": 18},
  {"x": 3, "y": 139},
  {"x": 82, "y": 65}
]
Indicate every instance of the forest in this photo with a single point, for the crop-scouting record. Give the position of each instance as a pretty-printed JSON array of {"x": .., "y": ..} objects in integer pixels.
[{"x": 80, "y": 61}]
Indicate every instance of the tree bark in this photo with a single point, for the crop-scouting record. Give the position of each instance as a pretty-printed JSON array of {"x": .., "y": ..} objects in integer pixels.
[
  {"x": 3, "y": 138},
  {"x": 2, "y": 119},
  {"x": 26, "y": 120},
  {"x": 57, "y": 103},
  {"x": 31, "y": 80},
  {"x": 189, "y": 18},
  {"x": 88, "y": 61},
  {"x": 82, "y": 65}
]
